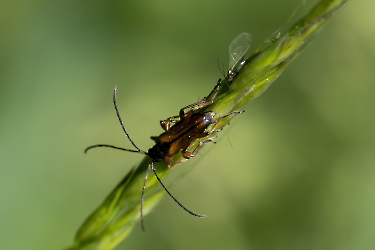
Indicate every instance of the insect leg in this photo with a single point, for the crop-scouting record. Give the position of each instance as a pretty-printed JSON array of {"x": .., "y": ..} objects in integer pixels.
[
  {"x": 187, "y": 155},
  {"x": 169, "y": 160},
  {"x": 166, "y": 124},
  {"x": 214, "y": 129},
  {"x": 204, "y": 102},
  {"x": 195, "y": 152},
  {"x": 215, "y": 90},
  {"x": 198, "y": 105},
  {"x": 182, "y": 206},
  {"x": 185, "y": 151},
  {"x": 143, "y": 194},
  {"x": 182, "y": 112}
]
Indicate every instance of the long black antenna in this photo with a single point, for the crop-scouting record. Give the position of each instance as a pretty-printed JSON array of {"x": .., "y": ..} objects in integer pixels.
[
  {"x": 183, "y": 207},
  {"x": 122, "y": 125},
  {"x": 143, "y": 194},
  {"x": 151, "y": 166},
  {"x": 110, "y": 146}
]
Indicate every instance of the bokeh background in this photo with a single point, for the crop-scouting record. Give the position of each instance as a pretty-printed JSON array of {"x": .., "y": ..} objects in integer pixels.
[{"x": 295, "y": 171}]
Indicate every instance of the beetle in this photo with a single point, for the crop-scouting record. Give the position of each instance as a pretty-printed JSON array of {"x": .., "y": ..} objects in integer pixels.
[{"x": 181, "y": 133}]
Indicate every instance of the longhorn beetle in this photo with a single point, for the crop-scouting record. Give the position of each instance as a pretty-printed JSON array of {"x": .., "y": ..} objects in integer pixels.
[{"x": 181, "y": 133}]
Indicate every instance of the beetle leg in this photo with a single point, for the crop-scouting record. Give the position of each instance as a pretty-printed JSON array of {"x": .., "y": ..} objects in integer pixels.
[
  {"x": 181, "y": 116},
  {"x": 204, "y": 134},
  {"x": 182, "y": 113},
  {"x": 205, "y": 102},
  {"x": 185, "y": 151},
  {"x": 187, "y": 155},
  {"x": 197, "y": 105},
  {"x": 171, "y": 119},
  {"x": 195, "y": 152},
  {"x": 169, "y": 160},
  {"x": 166, "y": 124},
  {"x": 214, "y": 129},
  {"x": 179, "y": 162},
  {"x": 216, "y": 89}
]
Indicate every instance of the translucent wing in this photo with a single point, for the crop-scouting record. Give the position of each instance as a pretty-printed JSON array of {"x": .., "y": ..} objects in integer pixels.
[{"x": 238, "y": 48}]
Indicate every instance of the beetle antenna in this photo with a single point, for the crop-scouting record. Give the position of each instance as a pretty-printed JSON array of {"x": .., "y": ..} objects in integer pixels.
[
  {"x": 110, "y": 146},
  {"x": 151, "y": 166},
  {"x": 183, "y": 207},
  {"x": 143, "y": 194},
  {"x": 122, "y": 125}
]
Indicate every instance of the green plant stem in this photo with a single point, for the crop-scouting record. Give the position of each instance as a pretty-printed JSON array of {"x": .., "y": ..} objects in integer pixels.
[{"x": 113, "y": 220}]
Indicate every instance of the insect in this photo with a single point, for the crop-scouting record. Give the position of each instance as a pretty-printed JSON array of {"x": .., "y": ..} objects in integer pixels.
[
  {"x": 237, "y": 50},
  {"x": 181, "y": 133}
]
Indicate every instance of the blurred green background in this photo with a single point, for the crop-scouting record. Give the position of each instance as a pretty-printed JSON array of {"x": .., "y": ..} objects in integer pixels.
[{"x": 295, "y": 171}]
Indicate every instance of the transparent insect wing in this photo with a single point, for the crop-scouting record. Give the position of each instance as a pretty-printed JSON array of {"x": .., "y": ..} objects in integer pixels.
[{"x": 238, "y": 48}]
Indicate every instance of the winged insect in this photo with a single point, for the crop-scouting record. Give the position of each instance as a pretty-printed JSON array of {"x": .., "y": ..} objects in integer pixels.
[{"x": 237, "y": 50}]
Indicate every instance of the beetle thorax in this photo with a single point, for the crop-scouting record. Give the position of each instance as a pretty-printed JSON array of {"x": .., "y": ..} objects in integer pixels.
[{"x": 208, "y": 117}]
